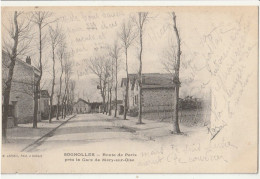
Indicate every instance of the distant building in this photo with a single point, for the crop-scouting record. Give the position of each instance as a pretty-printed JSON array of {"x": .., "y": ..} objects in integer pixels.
[
  {"x": 119, "y": 104},
  {"x": 157, "y": 92},
  {"x": 95, "y": 107},
  {"x": 22, "y": 89},
  {"x": 44, "y": 103},
  {"x": 81, "y": 107}
]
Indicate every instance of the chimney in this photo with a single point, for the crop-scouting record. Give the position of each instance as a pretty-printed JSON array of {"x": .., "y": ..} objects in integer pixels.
[{"x": 28, "y": 60}]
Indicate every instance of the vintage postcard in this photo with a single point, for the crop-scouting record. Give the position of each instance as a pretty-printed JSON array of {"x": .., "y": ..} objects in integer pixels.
[{"x": 129, "y": 89}]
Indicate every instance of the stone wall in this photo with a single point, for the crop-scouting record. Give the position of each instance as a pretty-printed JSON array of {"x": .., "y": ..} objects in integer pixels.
[{"x": 161, "y": 99}]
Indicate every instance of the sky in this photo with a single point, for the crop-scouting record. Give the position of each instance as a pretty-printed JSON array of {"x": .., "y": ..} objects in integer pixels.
[{"x": 90, "y": 31}]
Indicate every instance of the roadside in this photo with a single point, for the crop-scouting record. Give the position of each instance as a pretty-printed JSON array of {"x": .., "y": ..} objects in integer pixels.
[
  {"x": 156, "y": 130},
  {"x": 24, "y": 135}
]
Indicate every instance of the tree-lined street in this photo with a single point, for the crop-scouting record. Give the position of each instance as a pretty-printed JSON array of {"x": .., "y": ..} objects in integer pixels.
[
  {"x": 115, "y": 67},
  {"x": 89, "y": 129},
  {"x": 82, "y": 130}
]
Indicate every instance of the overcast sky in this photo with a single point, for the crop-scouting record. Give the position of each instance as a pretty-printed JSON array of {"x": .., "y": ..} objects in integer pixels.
[{"x": 90, "y": 30}]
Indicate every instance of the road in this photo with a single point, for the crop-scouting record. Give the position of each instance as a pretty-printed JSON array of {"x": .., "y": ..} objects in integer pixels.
[{"x": 83, "y": 130}]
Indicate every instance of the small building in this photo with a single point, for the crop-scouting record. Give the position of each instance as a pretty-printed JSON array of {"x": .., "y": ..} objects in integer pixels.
[
  {"x": 119, "y": 104},
  {"x": 22, "y": 89},
  {"x": 82, "y": 107},
  {"x": 157, "y": 92},
  {"x": 95, "y": 107},
  {"x": 44, "y": 104}
]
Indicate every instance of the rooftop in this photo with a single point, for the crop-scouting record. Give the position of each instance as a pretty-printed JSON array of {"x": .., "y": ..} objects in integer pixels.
[
  {"x": 80, "y": 99},
  {"x": 151, "y": 80},
  {"x": 5, "y": 56}
]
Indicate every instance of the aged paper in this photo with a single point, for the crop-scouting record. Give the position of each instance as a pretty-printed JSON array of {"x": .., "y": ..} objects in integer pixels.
[{"x": 78, "y": 62}]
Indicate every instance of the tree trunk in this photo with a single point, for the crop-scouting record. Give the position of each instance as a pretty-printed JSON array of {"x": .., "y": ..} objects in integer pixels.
[
  {"x": 59, "y": 96},
  {"x": 104, "y": 104},
  {"x": 8, "y": 83},
  {"x": 50, "y": 113},
  {"x": 140, "y": 78},
  {"x": 116, "y": 92},
  {"x": 64, "y": 109},
  {"x": 63, "y": 106},
  {"x": 107, "y": 104},
  {"x": 176, "y": 128},
  {"x": 35, "y": 112},
  {"x": 110, "y": 90},
  {"x": 53, "y": 84},
  {"x": 58, "y": 108},
  {"x": 127, "y": 88},
  {"x": 140, "y": 104},
  {"x": 37, "y": 88},
  {"x": 110, "y": 101}
]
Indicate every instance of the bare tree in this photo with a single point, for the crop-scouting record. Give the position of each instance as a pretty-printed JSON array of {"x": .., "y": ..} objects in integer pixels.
[
  {"x": 115, "y": 53},
  {"x": 127, "y": 37},
  {"x": 55, "y": 39},
  {"x": 100, "y": 67},
  {"x": 41, "y": 19},
  {"x": 61, "y": 53},
  {"x": 171, "y": 63},
  {"x": 108, "y": 95},
  {"x": 72, "y": 85},
  {"x": 15, "y": 45},
  {"x": 176, "y": 127},
  {"x": 111, "y": 84},
  {"x": 140, "y": 23},
  {"x": 68, "y": 72}
]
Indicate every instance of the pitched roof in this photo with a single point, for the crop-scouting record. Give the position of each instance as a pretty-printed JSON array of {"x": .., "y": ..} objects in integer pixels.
[
  {"x": 80, "y": 99},
  {"x": 6, "y": 58},
  {"x": 151, "y": 80},
  {"x": 132, "y": 77}
]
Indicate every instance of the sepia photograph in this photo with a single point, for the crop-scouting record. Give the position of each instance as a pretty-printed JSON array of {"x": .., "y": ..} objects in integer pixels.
[{"x": 129, "y": 89}]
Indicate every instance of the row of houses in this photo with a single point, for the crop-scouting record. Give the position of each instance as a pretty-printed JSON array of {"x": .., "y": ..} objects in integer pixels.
[
  {"x": 157, "y": 93},
  {"x": 157, "y": 90},
  {"x": 21, "y": 103}
]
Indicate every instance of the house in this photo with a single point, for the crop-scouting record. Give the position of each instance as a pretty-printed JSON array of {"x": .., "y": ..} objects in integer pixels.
[
  {"x": 119, "y": 103},
  {"x": 22, "y": 89},
  {"x": 157, "y": 92},
  {"x": 81, "y": 107},
  {"x": 95, "y": 106},
  {"x": 44, "y": 103}
]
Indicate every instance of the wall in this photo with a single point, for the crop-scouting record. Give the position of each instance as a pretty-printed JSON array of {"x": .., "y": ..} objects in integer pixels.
[
  {"x": 81, "y": 107},
  {"x": 44, "y": 107},
  {"x": 158, "y": 99},
  {"x": 133, "y": 98},
  {"x": 22, "y": 91}
]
